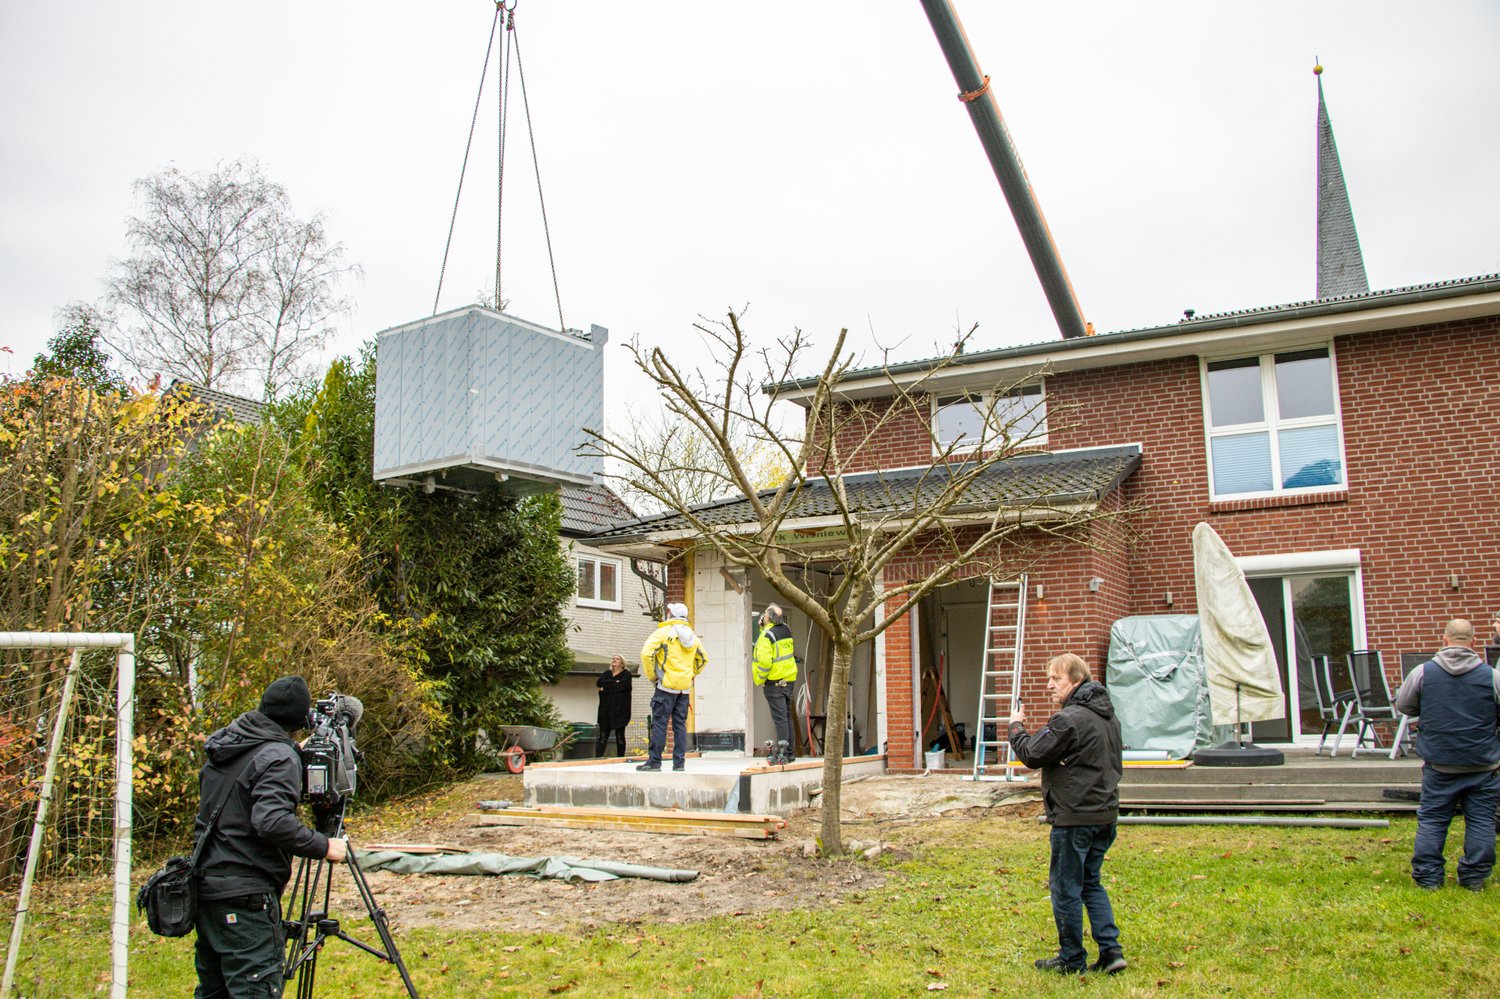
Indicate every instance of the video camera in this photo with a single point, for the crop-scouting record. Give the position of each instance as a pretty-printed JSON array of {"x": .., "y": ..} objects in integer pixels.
[{"x": 330, "y": 759}]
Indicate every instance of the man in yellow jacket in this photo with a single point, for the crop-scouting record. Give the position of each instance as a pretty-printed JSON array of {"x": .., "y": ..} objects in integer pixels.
[
  {"x": 775, "y": 671},
  {"x": 670, "y": 659}
]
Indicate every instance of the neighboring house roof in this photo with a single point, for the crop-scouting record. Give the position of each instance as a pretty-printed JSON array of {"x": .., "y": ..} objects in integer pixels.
[
  {"x": 1032, "y": 480},
  {"x": 225, "y": 404},
  {"x": 586, "y": 509},
  {"x": 1403, "y": 305}
]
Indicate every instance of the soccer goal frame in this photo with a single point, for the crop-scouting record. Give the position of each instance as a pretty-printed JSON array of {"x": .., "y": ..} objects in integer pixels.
[{"x": 77, "y": 643}]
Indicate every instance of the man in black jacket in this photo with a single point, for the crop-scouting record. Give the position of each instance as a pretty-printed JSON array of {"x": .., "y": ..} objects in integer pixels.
[
  {"x": 1078, "y": 751},
  {"x": 248, "y": 858}
]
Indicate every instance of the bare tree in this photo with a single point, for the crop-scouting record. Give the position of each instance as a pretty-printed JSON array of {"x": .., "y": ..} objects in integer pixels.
[
  {"x": 932, "y": 516},
  {"x": 687, "y": 466},
  {"x": 226, "y": 285}
]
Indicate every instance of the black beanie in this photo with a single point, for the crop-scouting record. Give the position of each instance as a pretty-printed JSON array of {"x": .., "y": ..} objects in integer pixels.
[{"x": 287, "y": 702}]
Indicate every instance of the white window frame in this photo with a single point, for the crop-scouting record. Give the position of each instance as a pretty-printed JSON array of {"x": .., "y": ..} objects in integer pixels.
[
  {"x": 1272, "y": 424},
  {"x": 981, "y": 401},
  {"x": 597, "y": 561}
]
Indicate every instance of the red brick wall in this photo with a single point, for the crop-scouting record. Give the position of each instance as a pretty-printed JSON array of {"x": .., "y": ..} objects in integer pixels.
[{"x": 1421, "y": 423}]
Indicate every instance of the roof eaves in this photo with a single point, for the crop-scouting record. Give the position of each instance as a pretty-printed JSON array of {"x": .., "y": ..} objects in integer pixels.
[{"x": 1409, "y": 295}]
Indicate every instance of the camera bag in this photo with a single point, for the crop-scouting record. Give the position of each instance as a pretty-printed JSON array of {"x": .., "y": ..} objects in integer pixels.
[{"x": 169, "y": 897}]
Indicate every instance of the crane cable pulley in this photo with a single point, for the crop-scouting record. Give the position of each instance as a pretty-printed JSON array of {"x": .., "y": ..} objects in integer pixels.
[{"x": 505, "y": 13}]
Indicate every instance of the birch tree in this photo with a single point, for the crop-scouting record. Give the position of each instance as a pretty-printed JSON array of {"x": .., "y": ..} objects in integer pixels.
[
  {"x": 741, "y": 398},
  {"x": 226, "y": 286}
]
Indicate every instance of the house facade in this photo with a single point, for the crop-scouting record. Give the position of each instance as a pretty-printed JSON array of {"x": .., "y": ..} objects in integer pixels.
[
  {"x": 1346, "y": 449},
  {"x": 612, "y": 611}
]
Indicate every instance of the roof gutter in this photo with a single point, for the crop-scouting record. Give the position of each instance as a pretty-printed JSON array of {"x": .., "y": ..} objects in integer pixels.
[{"x": 1401, "y": 307}]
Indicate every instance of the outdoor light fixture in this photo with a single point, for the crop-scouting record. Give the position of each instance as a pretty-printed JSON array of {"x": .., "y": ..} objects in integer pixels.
[
  {"x": 1041, "y": 591},
  {"x": 1167, "y": 599},
  {"x": 1453, "y": 581},
  {"x": 1094, "y": 584}
]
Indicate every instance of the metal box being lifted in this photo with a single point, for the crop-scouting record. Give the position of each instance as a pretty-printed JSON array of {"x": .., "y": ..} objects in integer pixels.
[{"x": 473, "y": 398}]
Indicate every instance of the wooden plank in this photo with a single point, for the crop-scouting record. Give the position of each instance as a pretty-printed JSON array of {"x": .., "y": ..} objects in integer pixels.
[
  {"x": 1246, "y": 802},
  {"x": 593, "y": 761},
  {"x": 626, "y": 825},
  {"x": 417, "y": 848},
  {"x": 647, "y": 813}
]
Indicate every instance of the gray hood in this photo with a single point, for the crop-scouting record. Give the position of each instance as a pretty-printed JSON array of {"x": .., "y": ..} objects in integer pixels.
[{"x": 1457, "y": 660}]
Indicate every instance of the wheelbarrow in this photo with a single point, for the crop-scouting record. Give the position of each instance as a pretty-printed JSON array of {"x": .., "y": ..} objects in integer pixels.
[{"x": 521, "y": 740}]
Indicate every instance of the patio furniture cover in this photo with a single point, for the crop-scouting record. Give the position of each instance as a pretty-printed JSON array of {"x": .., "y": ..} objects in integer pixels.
[
  {"x": 1158, "y": 684},
  {"x": 1236, "y": 646}
]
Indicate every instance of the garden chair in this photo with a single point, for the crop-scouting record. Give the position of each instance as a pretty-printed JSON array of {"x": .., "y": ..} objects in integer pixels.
[
  {"x": 1372, "y": 697},
  {"x": 1409, "y": 662},
  {"x": 1333, "y": 705}
]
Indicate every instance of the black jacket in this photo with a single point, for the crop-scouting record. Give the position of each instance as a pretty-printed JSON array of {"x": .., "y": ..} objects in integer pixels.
[
  {"x": 258, "y": 831},
  {"x": 614, "y": 700},
  {"x": 1079, "y": 754}
]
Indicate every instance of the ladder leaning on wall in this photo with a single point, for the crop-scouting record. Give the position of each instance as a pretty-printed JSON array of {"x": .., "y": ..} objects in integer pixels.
[{"x": 1000, "y": 676}]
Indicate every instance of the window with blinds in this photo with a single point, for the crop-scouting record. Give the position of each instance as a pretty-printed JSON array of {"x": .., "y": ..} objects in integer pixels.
[{"x": 1273, "y": 424}]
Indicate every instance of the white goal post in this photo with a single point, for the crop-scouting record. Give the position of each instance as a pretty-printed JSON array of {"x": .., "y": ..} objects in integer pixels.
[{"x": 124, "y": 646}]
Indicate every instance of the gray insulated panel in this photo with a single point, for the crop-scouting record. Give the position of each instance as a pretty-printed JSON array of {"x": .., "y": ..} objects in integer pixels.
[{"x": 473, "y": 395}]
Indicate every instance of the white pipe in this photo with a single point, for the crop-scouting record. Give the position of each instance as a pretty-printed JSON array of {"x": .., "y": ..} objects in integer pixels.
[
  {"x": 39, "y": 824},
  {"x": 1250, "y": 820},
  {"x": 67, "y": 640},
  {"x": 124, "y": 784}
]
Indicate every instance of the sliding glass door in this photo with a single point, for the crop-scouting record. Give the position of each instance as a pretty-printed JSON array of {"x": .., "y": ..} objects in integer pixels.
[{"x": 1307, "y": 615}]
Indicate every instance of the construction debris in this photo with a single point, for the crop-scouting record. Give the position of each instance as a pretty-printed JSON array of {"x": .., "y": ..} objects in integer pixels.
[{"x": 653, "y": 820}]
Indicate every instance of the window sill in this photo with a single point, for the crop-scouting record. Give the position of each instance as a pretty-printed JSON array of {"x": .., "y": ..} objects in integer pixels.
[
  {"x": 1274, "y": 502},
  {"x": 596, "y": 605}
]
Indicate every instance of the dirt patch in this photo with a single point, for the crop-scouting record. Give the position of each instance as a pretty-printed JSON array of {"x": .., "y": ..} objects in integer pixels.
[{"x": 734, "y": 875}]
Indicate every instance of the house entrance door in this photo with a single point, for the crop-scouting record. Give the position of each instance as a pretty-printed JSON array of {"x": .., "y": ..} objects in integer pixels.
[{"x": 1309, "y": 614}]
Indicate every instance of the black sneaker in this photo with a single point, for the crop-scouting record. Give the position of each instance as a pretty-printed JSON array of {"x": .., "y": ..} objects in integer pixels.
[
  {"x": 650, "y": 767},
  {"x": 1055, "y": 964},
  {"x": 1111, "y": 962},
  {"x": 677, "y": 768},
  {"x": 1471, "y": 885}
]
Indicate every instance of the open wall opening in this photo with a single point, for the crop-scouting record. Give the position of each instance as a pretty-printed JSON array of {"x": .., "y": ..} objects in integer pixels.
[
  {"x": 814, "y": 654},
  {"x": 950, "y": 651}
]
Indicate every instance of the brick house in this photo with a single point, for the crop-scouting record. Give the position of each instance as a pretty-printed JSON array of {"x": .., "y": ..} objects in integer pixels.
[{"x": 1347, "y": 449}]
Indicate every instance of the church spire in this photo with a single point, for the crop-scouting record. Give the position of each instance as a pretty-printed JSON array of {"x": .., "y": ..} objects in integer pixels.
[{"x": 1341, "y": 267}]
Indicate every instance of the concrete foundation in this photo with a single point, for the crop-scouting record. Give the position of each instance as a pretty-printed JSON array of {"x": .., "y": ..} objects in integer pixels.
[{"x": 713, "y": 782}]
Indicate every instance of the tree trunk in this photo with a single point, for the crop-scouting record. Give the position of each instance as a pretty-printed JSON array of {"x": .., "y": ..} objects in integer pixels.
[{"x": 833, "y": 744}]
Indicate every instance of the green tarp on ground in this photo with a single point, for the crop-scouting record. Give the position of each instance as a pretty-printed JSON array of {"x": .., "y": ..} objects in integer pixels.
[{"x": 562, "y": 868}]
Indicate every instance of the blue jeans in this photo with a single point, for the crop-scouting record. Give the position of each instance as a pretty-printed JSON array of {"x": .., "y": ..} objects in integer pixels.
[
  {"x": 1077, "y": 854},
  {"x": 664, "y": 705},
  {"x": 1443, "y": 796}
]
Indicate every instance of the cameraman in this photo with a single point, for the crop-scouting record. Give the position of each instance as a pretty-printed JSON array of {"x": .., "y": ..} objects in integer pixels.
[{"x": 248, "y": 859}]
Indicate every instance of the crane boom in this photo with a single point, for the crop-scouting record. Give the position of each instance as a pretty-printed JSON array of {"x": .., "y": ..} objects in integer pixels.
[{"x": 974, "y": 91}]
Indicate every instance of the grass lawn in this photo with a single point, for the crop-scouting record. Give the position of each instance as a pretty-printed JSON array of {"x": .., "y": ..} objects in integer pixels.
[{"x": 1202, "y": 910}]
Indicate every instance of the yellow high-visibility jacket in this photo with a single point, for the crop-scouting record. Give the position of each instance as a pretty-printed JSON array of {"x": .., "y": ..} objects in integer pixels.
[
  {"x": 773, "y": 655},
  {"x": 673, "y": 655}
]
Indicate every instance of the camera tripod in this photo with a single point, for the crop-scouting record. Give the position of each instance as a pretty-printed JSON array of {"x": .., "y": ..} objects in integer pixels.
[{"x": 310, "y": 924}]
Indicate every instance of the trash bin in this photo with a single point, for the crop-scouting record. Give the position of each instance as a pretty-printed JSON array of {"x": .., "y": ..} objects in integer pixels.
[
  {"x": 585, "y": 741},
  {"x": 937, "y": 759}
]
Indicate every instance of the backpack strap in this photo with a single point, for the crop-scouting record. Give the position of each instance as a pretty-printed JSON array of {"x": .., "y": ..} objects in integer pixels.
[{"x": 213, "y": 819}]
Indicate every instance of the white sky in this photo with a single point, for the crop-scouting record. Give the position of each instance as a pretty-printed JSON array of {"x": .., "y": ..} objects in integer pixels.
[{"x": 807, "y": 158}]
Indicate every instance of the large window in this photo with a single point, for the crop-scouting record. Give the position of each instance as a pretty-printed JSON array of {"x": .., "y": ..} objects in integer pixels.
[
  {"x": 598, "y": 582},
  {"x": 1273, "y": 424},
  {"x": 1020, "y": 413}
]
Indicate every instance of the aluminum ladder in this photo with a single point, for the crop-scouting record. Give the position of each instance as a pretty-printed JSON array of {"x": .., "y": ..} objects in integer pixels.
[{"x": 1000, "y": 677}]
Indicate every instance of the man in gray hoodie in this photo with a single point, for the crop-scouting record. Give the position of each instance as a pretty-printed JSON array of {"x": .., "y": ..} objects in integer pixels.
[{"x": 1458, "y": 738}]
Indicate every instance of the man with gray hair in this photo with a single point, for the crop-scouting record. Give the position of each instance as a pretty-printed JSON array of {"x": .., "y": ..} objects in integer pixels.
[
  {"x": 774, "y": 667},
  {"x": 1458, "y": 699}
]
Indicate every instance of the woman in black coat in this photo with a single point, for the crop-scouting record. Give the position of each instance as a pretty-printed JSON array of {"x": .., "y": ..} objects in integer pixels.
[{"x": 614, "y": 704}]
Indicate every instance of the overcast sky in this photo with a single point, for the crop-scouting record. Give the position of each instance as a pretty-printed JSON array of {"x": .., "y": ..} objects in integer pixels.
[{"x": 809, "y": 159}]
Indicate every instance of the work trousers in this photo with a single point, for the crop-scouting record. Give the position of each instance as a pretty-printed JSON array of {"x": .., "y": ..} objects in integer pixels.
[
  {"x": 604, "y": 734},
  {"x": 779, "y": 700},
  {"x": 240, "y": 947},
  {"x": 1443, "y": 797},
  {"x": 669, "y": 705},
  {"x": 1077, "y": 855}
]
